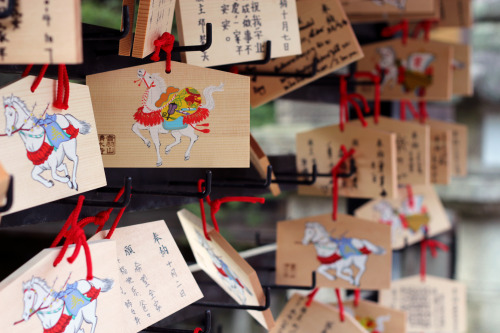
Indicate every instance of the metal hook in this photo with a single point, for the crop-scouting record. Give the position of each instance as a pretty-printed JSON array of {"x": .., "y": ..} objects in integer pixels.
[
  {"x": 264, "y": 307},
  {"x": 309, "y": 181},
  {"x": 284, "y": 286},
  {"x": 202, "y": 47},
  {"x": 352, "y": 170},
  {"x": 9, "y": 196},
  {"x": 206, "y": 329},
  {"x": 8, "y": 10},
  {"x": 266, "y": 60},
  {"x": 117, "y": 35},
  {"x": 125, "y": 201},
  {"x": 200, "y": 195},
  {"x": 252, "y": 71},
  {"x": 255, "y": 185}
]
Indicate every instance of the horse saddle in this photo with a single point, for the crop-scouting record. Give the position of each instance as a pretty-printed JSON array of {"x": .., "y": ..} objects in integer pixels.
[
  {"x": 73, "y": 299},
  {"x": 165, "y": 97},
  {"x": 54, "y": 132}
]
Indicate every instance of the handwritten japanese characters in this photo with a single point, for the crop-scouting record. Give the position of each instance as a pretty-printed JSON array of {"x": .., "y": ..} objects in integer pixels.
[
  {"x": 155, "y": 279},
  {"x": 347, "y": 253},
  {"x": 433, "y": 305},
  {"x": 415, "y": 71},
  {"x": 153, "y": 19},
  {"x": 412, "y": 147},
  {"x": 51, "y": 154},
  {"x": 205, "y": 112},
  {"x": 43, "y": 297},
  {"x": 377, "y": 318},
  {"x": 297, "y": 317},
  {"x": 43, "y": 32},
  {"x": 375, "y": 160},
  {"x": 326, "y": 35},
  {"x": 417, "y": 208},
  {"x": 441, "y": 155},
  {"x": 240, "y": 29},
  {"x": 225, "y": 266}
]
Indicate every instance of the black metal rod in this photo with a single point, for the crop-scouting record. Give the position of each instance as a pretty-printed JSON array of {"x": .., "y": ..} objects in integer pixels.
[
  {"x": 201, "y": 47},
  {"x": 312, "y": 177},
  {"x": 239, "y": 306},
  {"x": 206, "y": 329},
  {"x": 266, "y": 60},
  {"x": 285, "y": 286},
  {"x": 252, "y": 71},
  {"x": 125, "y": 201},
  {"x": 200, "y": 195},
  {"x": 9, "y": 196},
  {"x": 115, "y": 36}
]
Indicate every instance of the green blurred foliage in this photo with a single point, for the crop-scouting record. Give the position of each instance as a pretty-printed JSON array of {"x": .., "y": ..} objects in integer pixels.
[{"x": 103, "y": 13}]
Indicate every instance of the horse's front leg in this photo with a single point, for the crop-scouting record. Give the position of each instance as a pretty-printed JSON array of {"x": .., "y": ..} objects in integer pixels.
[
  {"x": 340, "y": 272},
  {"x": 323, "y": 269},
  {"x": 155, "y": 135},
  {"x": 136, "y": 128},
  {"x": 35, "y": 174},
  {"x": 360, "y": 263}
]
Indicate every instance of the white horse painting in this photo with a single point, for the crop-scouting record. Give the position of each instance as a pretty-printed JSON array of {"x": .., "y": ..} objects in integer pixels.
[
  {"x": 47, "y": 150},
  {"x": 61, "y": 314},
  {"x": 388, "y": 66},
  {"x": 229, "y": 277},
  {"x": 339, "y": 255},
  {"x": 149, "y": 116}
]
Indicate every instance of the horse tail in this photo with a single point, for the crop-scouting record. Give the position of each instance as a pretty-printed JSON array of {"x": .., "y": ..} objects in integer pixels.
[
  {"x": 105, "y": 284},
  {"x": 81, "y": 125},
  {"x": 373, "y": 248},
  {"x": 203, "y": 130},
  {"x": 209, "y": 100}
]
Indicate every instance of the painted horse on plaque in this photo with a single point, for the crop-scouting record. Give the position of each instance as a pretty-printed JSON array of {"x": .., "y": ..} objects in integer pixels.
[
  {"x": 48, "y": 141},
  {"x": 64, "y": 311},
  {"x": 171, "y": 110},
  {"x": 339, "y": 254}
]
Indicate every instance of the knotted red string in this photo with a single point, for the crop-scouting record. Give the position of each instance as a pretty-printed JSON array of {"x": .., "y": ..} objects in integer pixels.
[
  {"x": 404, "y": 105},
  {"x": 422, "y": 106},
  {"x": 376, "y": 102},
  {"x": 357, "y": 296},
  {"x": 215, "y": 207},
  {"x": 74, "y": 235},
  {"x": 102, "y": 217},
  {"x": 433, "y": 245},
  {"x": 345, "y": 99},
  {"x": 409, "y": 192},
  {"x": 392, "y": 30},
  {"x": 310, "y": 297},
  {"x": 234, "y": 70},
  {"x": 62, "y": 84},
  {"x": 341, "y": 304},
  {"x": 335, "y": 191},
  {"x": 425, "y": 26},
  {"x": 166, "y": 43},
  {"x": 198, "y": 330}
]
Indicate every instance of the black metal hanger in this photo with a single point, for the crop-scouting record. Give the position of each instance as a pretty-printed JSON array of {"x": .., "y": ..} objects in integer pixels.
[
  {"x": 113, "y": 36},
  {"x": 9, "y": 196}
]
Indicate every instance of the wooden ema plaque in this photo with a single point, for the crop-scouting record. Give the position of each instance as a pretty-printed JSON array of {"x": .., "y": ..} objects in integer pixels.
[
  {"x": 415, "y": 71},
  {"x": 392, "y": 11},
  {"x": 225, "y": 266},
  {"x": 317, "y": 318},
  {"x": 4, "y": 184},
  {"x": 240, "y": 29},
  {"x": 456, "y": 13},
  {"x": 347, "y": 253},
  {"x": 43, "y": 297},
  {"x": 441, "y": 154},
  {"x": 261, "y": 162},
  {"x": 125, "y": 44},
  {"x": 377, "y": 318},
  {"x": 55, "y": 154},
  {"x": 412, "y": 149},
  {"x": 155, "y": 279},
  {"x": 408, "y": 220},
  {"x": 206, "y": 112},
  {"x": 153, "y": 19},
  {"x": 375, "y": 160},
  {"x": 462, "y": 76},
  {"x": 42, "y": 32},
  {"x": 326, "y": 34},
  {"x": 459, "y": 143},
  {"x": 435, "y": 305}
]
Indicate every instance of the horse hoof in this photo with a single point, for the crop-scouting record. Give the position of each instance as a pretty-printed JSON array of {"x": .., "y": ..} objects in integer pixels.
[
  {"x": 70, "y": 185},
  {"x": 167, "y": 152},
  {"x": 148, "y": 144},
  {"x": 186, "y": 158},
  {"x": 159, "y": 164},
  {"x": 76, "y": 187},
  {"x": 50, "y": 184}
]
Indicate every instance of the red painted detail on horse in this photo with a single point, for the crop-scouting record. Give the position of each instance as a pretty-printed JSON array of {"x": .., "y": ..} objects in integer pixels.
[
  {"x": 93, "y": 293},
  {"x": 148, "y": 119},
  {"x": 41, "y": 155},
  {"x": 71, "y": 131},
  {"x": 401, "y": 74},
  {"x": 364, "y": 250},
  {"x": 329, "y": 260},
  {"x": 200, "y": 115},
  {"x": 220, "y": 270},
  {"x": 60, "y": 326},
  {"x": 241, "y": 285}
]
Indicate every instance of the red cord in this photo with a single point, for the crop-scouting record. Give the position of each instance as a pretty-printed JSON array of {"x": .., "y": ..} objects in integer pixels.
[
  {"x": 198, "y": 330},
  {"x": 392, "y": 30},
  {"x": 376, "y": 103},
  {"x": 433, "y": 245},
  {"x": 411, "y": 200},
  {"x": 310, "y": 297},
  {"x": 404, "y": 105},
  {"x": 426, "y": 26},
  {"x": 166, "y": 43},
  {"x": 62, "y": 88},
  {"x": 341, "y": 305},
  {"x": 76, "y": 236},
  {"x": 357, "y": 296},
  {"x": 345, "y": 99},
  {"x": 39, "y": 78},
  {"x": 335, "y": 169},
  {"x": 422, "y": 106},
  {"x": 234, "y": 70},
  {"x": 215, "y": 205},
  {"x": 27, "y": 70}
]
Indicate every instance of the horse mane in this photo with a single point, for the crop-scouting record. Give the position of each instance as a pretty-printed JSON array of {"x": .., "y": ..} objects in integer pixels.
[
  {"x": 11, "y": 100},
  {"x": 160, "y": 82},
  {"x": 37, "y": 280}
]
